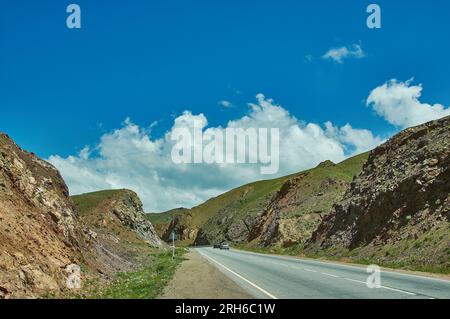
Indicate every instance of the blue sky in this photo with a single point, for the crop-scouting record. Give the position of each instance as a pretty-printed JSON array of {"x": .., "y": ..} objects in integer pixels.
[{"x": 62, "y": 89}]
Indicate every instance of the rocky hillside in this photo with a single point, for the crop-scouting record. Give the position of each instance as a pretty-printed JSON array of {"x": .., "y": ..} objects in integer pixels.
[
  {"x": 118, "y": 224},
  {"x": 397, "y": 211},
  {"x": 232, "y": 211},
  {"x": 283, "y": 211},
  {"x": 175, "y": 219},
  {"x": 42, "y": 236},
  {"x": 303, "y": 201},
  {"x": 39, "y": 231},
  {"x": 389, "y": 206}
]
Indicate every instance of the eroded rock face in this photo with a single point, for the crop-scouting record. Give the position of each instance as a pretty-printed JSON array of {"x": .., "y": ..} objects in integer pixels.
[
  {"x": 128, "y": 209},
  {"x": 39, "y": 231},
  {"x": 402, "y": 194},
  {"x": 180, "y": 225},
  {"x": 297, "y": 209},
  {"x": 119, "y": 234},
  {"x": 42, "y": 235}
]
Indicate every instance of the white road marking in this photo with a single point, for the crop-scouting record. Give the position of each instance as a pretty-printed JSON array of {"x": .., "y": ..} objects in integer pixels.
[
  {"x": 239, "y": 276},
  {"x": 340, "y": 265},
  {"x": 399, "y": 290},
  {"x": 310, "y": 270},
  {"x": 326, "y": 274},
  {"x": 359, "y": 281},
  {"x": 305, "y": 269},
  {"x": 389, "y": 288}
]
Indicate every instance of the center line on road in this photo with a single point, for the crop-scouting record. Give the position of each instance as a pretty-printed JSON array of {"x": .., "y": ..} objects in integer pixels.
[{"x": 239, "y": 276}]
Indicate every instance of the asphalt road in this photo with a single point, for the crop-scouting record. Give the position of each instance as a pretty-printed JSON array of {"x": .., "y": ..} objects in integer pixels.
[{"x": 269, "y": 276}]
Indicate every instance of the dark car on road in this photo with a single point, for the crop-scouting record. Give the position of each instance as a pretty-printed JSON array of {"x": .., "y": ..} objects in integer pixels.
[
  {"x": 224, "y": 245},
  {"x": 216, "y": 245}
]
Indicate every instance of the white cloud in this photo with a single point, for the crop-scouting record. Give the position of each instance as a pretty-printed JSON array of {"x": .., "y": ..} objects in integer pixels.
[
  {"x": 130, "y": 157},
  {"x": 339, "y": 54},
  {"x": 225, "y": 103},
  {"x": 398, "y": 103},
  {"x": 360, "y": 140}
]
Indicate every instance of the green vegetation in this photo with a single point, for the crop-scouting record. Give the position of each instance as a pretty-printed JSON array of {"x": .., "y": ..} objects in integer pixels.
[
  {"x": 327, "y": 179},
  {"x": 87, "y": 202},
  {"x": 166, "y": 217},
  {"x": 245, "y": 197},
  {"x": 295, "y": 250},
  {"x": 218, "y": 214},
  {"x": 147, "y": 282},
  {"x": 248, "y": 198}
]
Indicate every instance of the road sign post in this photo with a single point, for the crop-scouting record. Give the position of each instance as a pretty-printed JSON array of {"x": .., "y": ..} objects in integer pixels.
[{"x": 173, "y": 244}]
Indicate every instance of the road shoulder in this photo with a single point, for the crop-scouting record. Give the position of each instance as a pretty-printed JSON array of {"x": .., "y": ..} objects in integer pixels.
[{"x": 196, "y": 278}]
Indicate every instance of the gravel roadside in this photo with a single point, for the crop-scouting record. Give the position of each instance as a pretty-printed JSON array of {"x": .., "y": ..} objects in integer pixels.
[{"x": 196, "y": 278}]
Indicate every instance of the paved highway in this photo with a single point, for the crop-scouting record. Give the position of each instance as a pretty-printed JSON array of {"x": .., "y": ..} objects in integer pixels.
[{"x": 269, "y": 276}]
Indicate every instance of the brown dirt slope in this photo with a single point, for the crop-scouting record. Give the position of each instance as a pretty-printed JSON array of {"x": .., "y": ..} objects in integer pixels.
[{"x": 39, "y": 231}]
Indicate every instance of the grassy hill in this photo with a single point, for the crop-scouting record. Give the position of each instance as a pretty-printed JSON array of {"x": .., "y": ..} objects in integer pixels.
[
  {"x": 234, "y": 214},
  {"x": 253, "y": 197}
]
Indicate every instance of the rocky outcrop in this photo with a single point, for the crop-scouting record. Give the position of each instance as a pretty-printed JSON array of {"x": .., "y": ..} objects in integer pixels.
[
  {"x": 181, "y": 227},
  {"x": 398, "y": 207},
  {"x": 40, "y": 234},
  {"x": 118, "y": 230},
  {"x": 128, "y": 209},
  {"x": 234, "y": 220},
  {"x": 297, "y": 209},
  {"x": 281, "y": 212}
]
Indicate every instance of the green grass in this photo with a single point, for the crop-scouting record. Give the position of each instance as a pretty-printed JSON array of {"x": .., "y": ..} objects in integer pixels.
[
  {"x": 248, "y": 200},
  {"x": 86, "y": 202},
  {"x": 166, "y": 217},
  {"x": 148, "y": 282},
  {"x": 294, "y": 250}
]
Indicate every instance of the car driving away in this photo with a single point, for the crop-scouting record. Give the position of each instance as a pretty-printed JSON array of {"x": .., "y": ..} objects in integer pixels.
[{"x": 224, "y": 245}]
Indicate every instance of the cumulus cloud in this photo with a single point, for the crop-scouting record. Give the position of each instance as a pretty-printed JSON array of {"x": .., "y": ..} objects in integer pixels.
[
  {"x": 225, "y": 103},
  {"x": 338, "y": 55},
  {"x": 358, "y": 140},
  {"x": 131, "y": 157},
  {"x": 398, "y": 103}
]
